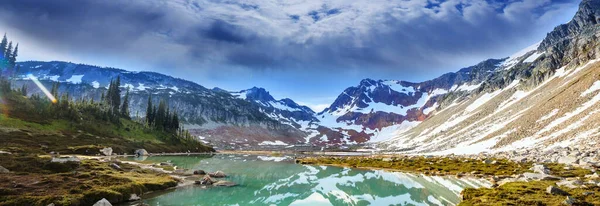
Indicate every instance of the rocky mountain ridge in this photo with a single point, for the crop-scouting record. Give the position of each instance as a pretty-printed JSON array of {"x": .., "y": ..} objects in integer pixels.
[{"x": 546, "y": 99}]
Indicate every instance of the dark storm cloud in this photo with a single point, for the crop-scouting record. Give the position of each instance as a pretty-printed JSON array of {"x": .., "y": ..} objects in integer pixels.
[{"x": 404, "y": 36}]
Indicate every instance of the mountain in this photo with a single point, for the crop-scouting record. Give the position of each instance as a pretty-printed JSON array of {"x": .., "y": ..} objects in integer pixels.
[
  {"x": 215, "y": 116},
  {"x": 540, "y": 96},
  {"x": 543, "y": 97},
  {"x": 376, "y": 110}
]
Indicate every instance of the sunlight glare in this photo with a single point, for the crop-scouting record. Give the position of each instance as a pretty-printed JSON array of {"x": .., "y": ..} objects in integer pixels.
[{"x": 42, "y": 87}]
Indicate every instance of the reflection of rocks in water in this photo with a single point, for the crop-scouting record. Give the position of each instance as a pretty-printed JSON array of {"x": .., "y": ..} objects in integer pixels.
[
  {"x": 343, "y": 186},
  {"x": 140, "y": 158}
]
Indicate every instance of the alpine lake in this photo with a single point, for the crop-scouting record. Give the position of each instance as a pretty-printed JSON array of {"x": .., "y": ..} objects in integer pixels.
[{"x": 269, "y": 180}]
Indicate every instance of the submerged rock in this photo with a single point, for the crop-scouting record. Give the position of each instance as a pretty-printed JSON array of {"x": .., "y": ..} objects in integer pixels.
[
  {"x": 199, "y": 172},
  {"x": 166, "y": 164},
  {"x": 222, "y": 183},
  {"x": 217, "y": 174},
  {"x": 103, "y": 202}
]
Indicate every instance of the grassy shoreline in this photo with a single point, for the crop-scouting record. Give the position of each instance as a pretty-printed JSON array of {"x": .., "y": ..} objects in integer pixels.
[
  {"x": 510, "y": 193},
  {"x": 34, "y": 180}
]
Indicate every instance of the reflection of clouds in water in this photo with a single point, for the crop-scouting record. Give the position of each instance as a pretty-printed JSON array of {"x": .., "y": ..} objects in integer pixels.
[{"x": 327, "y": 186}]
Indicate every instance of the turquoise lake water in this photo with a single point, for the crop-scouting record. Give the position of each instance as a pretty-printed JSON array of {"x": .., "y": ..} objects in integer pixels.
[{"x": 267, "y": 180}]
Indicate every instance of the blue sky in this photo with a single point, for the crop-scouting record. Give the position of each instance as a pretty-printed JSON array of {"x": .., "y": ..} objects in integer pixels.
[{"x": 306, "y": 50}]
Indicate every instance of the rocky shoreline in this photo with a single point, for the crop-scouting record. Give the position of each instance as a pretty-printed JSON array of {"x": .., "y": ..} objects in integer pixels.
[{"x": 526, "y": 177}]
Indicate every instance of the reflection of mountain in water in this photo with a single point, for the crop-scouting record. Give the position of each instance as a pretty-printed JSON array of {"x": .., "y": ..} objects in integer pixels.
[
  {"x": 267, "y": 180},
  {"x": 343, "y": 186}
]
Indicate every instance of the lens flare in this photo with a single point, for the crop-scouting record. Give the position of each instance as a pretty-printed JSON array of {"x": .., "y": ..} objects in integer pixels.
[{"x": 42, "y": 87}]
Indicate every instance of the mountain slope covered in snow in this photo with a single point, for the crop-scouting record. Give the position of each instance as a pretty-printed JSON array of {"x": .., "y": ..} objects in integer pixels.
[{"x": 545, "y": 96}]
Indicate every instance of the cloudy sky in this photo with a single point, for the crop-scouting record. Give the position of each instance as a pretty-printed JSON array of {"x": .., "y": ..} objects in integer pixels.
[{"x": 307, "y": 50}]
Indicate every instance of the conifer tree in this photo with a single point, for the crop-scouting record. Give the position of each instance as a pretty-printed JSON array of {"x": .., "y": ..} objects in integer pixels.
[
  {"x": 8, "y": 52},
  {"x": 125, "y": 106},
  {"x": 160, "y": 115},
  {"x": 116, "y": 95},
  {"x": 3, "y": 46},
  {"x": 12, "y": 61},
  {"x": 149, "y": 114},
  {"x": 24, "y": 90}
]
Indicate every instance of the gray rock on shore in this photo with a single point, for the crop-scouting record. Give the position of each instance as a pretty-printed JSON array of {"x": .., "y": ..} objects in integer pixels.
[
  {"x": 568, "y": 160},
  {"x": 65, "y": 159},
  {"x": 575, "y": 183},
  {"x": 569, "y": 201},
  {"x": 103, "y": 202},
  {"x": 106, "y": 151},
  {"x": 540, "y": 169},
  {"x": 3, "y": 170},
  {"x": 134, "y": 197},
  {"x": 141, "y": 152},
  {"x": 206, "y": 180},
  {"x": 555, "y": 191}
]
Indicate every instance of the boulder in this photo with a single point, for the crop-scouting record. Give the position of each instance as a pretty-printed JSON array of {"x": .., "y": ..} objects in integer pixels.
[
  {"x": 65, "y": 159},
  {"x": 555, "y": 191},
  {"x": 569, "y": 201},
  {"x": 206, "y": 180},
  {"x": 570, "y": 183},
  {"x": 222, "y": 183},
  {"x": 103, "y": 202},
  {"x": 489, "y": 161},
  {"x": 593, "y": 176},
  {"x": 217, "y": 174},
  {"x": 199, "y": 172},
  {"x": 3, "y": 170},
  {"x": 540, "y": 169},
  {"x": 51, "y": 204},
  {"x": 106, "y": 151},
  {"x": 568, "y": 160},
  {"x": 587, "y": 193},
  {"x": 519, "y": 159},
  {"x": 134, "y": 197},
  {"x": 141, "y": 152},
  {"x": 115, "y": 166}
]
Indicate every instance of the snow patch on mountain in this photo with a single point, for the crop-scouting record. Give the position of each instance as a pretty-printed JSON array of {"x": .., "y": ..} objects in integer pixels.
[
  {"x": 389, "y": 132},
  {"x": 396, "y": 86},
  {"x": 75, "y": 79},
  {"x": 96, "y": 84},
  {"x": 141, "y": 87},
  {"x": 514, "y": 59},
  {"x": 533, "y": 57},
  {"x": 592, "y": 89}
]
